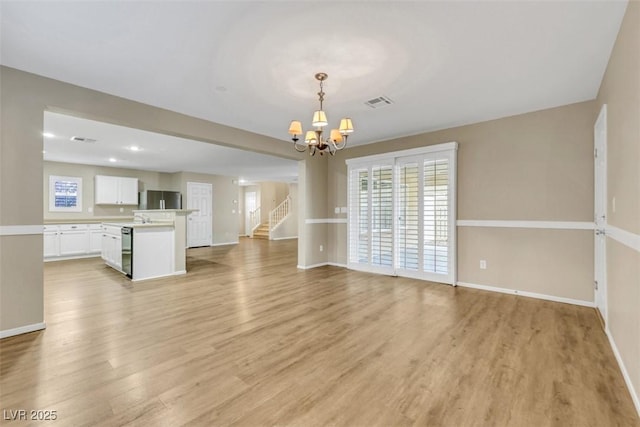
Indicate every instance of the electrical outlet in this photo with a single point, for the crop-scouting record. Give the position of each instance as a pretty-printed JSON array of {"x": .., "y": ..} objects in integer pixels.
[
  {"x": 121, "y": 209},
  {"x": 336, "y": 210},
  {"x": 321, "y": 248},
  {"x": 483, "y": 264}
]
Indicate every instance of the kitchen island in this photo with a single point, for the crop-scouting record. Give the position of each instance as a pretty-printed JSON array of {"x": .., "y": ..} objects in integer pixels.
[
  {"x": 152, "y": 246},
  {"x": 140, "y": 251}
]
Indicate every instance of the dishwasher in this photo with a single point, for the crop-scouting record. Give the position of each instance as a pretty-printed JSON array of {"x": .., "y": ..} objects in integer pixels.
[{"x": 127, "y": 251}]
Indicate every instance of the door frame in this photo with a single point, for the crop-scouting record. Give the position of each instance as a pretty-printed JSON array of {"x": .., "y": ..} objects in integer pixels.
[
  {"x": 600, "y": 214},
  {"x": 448, "y": 150}
]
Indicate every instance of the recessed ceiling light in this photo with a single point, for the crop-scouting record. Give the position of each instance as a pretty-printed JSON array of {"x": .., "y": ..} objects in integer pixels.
[
  {"x": 48, "y": 135},
  {"x": 134, "y": 148},
  {"x": 112, "y": 159},
  {"x": 43, "y": 151},
  {"x": 243, "y": 181}
]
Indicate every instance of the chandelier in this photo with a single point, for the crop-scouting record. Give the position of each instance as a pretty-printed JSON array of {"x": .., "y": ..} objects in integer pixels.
[{"x": 314, "y": 139}]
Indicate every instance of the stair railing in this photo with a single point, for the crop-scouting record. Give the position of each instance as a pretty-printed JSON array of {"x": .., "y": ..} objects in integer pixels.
[
  {"x": 254, "y": 220},
  {"x": 279, "y": 213}
]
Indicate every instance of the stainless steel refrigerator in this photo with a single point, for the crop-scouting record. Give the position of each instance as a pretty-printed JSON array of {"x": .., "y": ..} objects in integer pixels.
[{"x": 155, "y": 199}]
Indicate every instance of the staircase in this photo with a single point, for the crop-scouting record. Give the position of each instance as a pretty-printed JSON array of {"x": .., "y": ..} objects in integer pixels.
[{"x": 262, "y": 232}]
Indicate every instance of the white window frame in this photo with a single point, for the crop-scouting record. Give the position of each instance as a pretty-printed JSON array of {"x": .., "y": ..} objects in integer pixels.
[
  {"x": 53, "y": 179},
  {"x": 395, "y": 158}
]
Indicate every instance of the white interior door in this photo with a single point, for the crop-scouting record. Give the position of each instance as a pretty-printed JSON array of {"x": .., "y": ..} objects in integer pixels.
[
  {"x": 250, "y": 205},
  {"x": 199, "y": 224},
  {"x": 600, "y": 214}
]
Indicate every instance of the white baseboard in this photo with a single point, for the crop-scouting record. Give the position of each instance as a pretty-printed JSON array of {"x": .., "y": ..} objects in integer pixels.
[
  {"x": 226, "y": 244},
  {"x": 285, "y": 238},
  {"x": 22, "y": 330},
  {"x": 322, "y": 264},
  {"x": 335, "y": 264},
  {"x": 308, "y": 267},
  {"x": 625, "y": 374},
  {"x": 527, "y": 294},
  {"x": 179, "y": 272},
  {"x": 155, "y": 277}
]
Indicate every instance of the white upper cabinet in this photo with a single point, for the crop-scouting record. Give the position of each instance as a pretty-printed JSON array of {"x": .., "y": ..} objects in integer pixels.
[
  {"x": 116, "y": 190},
  {"x": 128, "y": 191}
]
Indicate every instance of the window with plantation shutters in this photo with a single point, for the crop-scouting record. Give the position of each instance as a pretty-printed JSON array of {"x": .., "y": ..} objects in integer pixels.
[{"x": 402, "y": 213}]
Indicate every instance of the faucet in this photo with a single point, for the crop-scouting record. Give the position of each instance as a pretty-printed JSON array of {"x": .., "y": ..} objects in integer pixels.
[{"x": 145, "y": 219}]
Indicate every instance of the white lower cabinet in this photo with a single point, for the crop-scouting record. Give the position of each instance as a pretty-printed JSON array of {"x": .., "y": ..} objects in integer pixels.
[
  {"x": 153, "y": 252},
  {"x": 74, "y": 239},
  {"x": 95, "y": 238},
  {"x": 64, "y": 241},
  {"x": 51, "y": 243},
  {"x": 112, "y": 246}
]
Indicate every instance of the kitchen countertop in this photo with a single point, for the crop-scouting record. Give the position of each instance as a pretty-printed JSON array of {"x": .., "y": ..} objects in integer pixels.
[
  {"x": 187, "y": 211},
  {"x": 141, "y": 225},
  {"x": 92, "y": 220}
]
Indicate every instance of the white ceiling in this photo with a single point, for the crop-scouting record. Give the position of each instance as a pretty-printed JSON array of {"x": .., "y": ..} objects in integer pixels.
[
  {"x": 155, "y": 152},
  {"x": 250, "y": 64}
]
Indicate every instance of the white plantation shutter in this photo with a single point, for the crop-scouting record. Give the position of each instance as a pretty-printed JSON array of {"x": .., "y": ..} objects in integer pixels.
[
  {"x": 359, "y": 216},
  {"x": 402, "y": 213},
  {"x": 436, "y": 209},
  {"x": 371, "y": 218},
  {"x": 382, "y": 216},
  {"x": 408, "y": 216}
]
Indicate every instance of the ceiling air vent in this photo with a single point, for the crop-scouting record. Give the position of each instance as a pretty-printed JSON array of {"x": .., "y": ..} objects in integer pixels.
[
  {"x": 82, "y": 139},
  {"x": 378, "y": 102}
]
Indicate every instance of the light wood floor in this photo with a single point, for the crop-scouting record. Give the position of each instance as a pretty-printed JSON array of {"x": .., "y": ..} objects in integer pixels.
[{"x": 247, "y": 339}]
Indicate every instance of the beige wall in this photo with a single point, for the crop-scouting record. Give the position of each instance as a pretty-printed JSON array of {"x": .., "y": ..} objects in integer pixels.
[
  {"x": 271, "y": 195},
  {"x": 23, "y": 99},
  {"x": 225, "y": 211},
  {"x": 225, "y": 191},
  {"x": 620, "y": 90},
  {"x": 312, "y": 204},
  {"x": 146, "y": 181},
  {"x": 536, "y": 166},
  {"x": 548, "y": 262}
]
